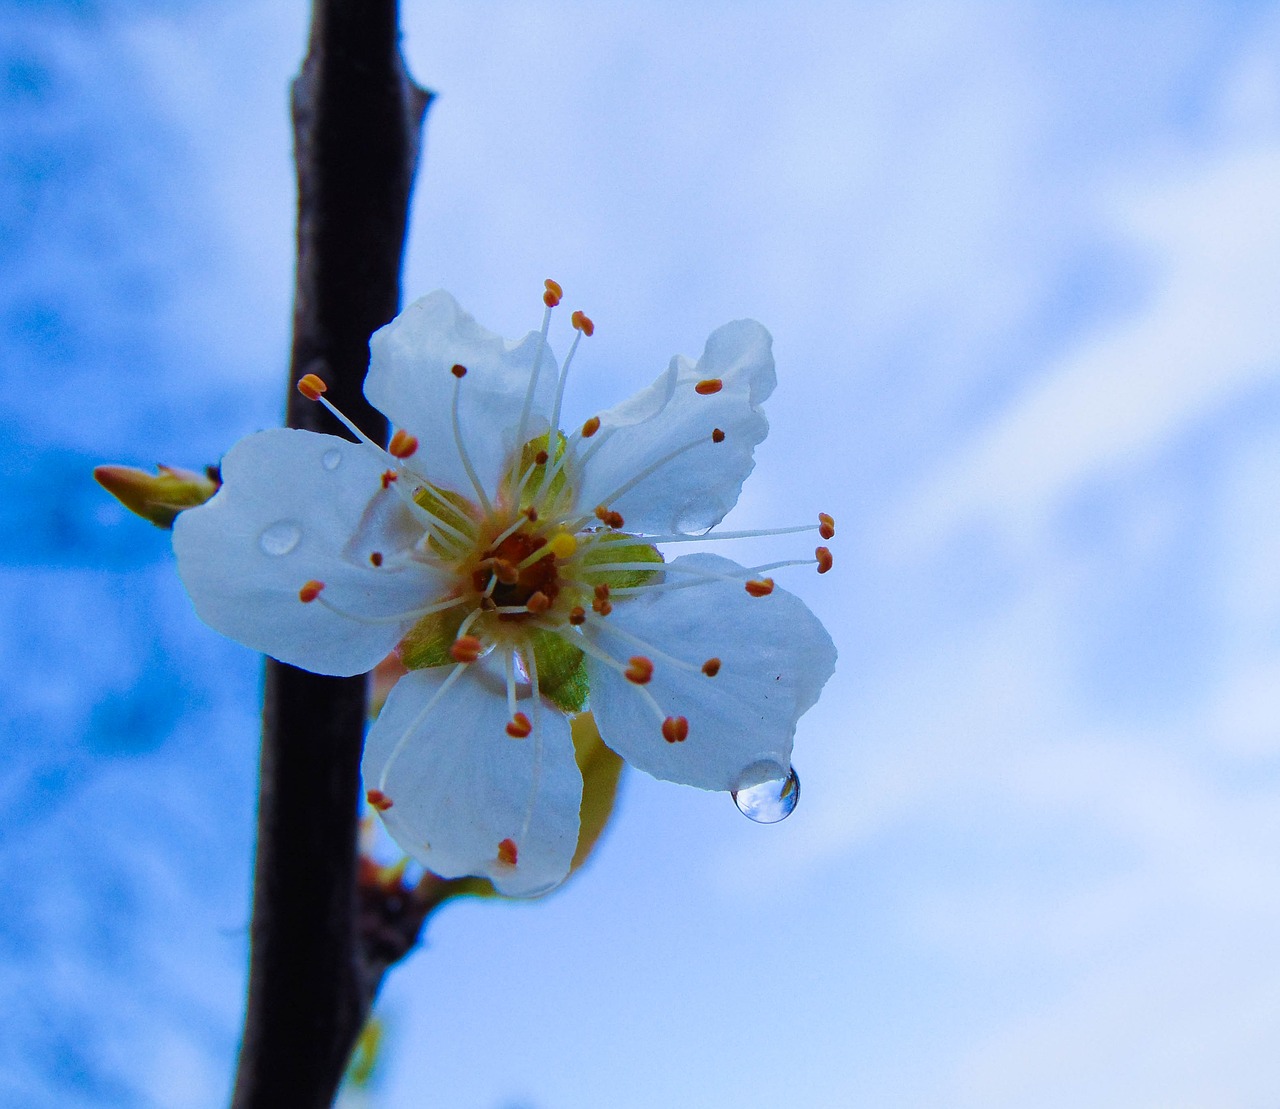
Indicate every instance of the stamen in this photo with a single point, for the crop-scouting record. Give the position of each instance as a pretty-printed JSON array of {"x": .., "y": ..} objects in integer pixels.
[
  {"x": 388, "y": 476},
  {"x": 577, "y": 615},
  {"x": 601, "y": 602},
  {"x": 824, "y": 559},
  {"x": 393, "y": 618},
  {"x": 538, "y": 603},
  {"x": 711, "y": 667},
  {"x": 640, "y": 670},
  {"x": 675, "y": 729},
  {"x": 531, "y": 662},
  {"x": 375, "y": 557},
  {"x": 508, "y": 852},
  {"x": 760, "y": 587},
  {"x": 583, "y": 323},
  {"x": 564, "y": 370},
  {"x": 826, "y": 526},
  {"x": 550, "y": 298},
  {"x": 520, "y": 726},
  {"x": 466, "y": 648},
  {"x": 310, "y": 591},
  {"x": 562, "y": 545},
  {"x": 591, "y": 427},
  {"x": 717, "y": 436},
  {"x": 538, "y": 553},
  {"x": 509, "y": 667},
  {"x": 458, "y": 371},
  {"x": 462, "y": 451},
  {"x": 378, "y": 800},
  {"x": 708, "y": 387},
  {"x": 402, "y": 445},
  {"x": 540, "y": 459},
  {"x": 609, "y": 518},
  {"x": 706, "y": 537},
  {"x": 311, "y": 386}
]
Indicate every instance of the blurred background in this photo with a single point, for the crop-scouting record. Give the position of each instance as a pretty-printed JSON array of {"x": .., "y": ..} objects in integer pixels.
[{"x": 1022, "y": 267}]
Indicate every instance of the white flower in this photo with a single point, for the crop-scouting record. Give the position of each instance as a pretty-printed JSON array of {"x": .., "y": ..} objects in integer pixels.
[{"x": 501, "y": 558}]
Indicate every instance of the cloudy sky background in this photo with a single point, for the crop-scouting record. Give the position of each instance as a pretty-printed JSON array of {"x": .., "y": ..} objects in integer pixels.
[{"x": 1021, "y": 266}]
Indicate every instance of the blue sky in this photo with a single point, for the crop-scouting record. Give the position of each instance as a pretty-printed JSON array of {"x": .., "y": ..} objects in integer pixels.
[{"x": 1020, "y": 264}]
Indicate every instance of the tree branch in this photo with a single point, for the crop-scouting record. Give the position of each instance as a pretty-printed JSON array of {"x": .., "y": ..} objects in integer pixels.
[{"x": 357, "y": 117}]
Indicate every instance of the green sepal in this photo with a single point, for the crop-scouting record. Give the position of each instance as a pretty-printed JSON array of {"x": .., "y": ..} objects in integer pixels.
[
  {"x": 449, "y": 508},
  {"x": 527, "y": 456},
  {"x": 620, "y": 547},
  {"x": 562, "y": 670},
  {"x": 428, "y": 641}
]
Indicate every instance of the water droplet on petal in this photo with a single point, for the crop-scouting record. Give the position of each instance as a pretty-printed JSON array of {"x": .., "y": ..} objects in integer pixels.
[
  {"x": 280, "y": 538},
  {"x": 771, "y": 792},
  {"x": 331, "y": 459}
]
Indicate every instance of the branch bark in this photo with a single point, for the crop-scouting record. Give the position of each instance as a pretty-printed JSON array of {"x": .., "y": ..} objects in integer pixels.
[{"x": 357, "y": 117}]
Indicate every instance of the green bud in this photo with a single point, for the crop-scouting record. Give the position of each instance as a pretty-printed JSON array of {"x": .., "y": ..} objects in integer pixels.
[{"x": 158, "y": 497}]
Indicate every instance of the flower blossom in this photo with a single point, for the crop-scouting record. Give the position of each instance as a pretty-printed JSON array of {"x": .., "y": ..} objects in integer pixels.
[{"x": 517, "y": 571}]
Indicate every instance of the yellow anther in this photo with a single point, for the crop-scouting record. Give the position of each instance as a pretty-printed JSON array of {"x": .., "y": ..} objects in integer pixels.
[
  {"x": 562, "y": 544},
  {"x": 402, "y": 445},
  {"x": 508, "y": 853},
  {"x": 553, "y": 294},
  {"x": 311, "y": 386},
  {"x": 582, "y": 322},
  {"x": 826, "y": 526},
  {"x": 824, "y": 559}
]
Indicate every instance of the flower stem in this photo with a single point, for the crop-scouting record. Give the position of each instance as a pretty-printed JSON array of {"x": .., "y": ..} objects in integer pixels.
[{"x": 313, "y": 971}]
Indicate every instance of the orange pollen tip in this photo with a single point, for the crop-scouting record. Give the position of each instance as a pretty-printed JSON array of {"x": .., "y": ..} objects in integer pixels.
[
  {"x": 708, "y": 387},
  {"x": 388, "y": 476},
  {"x": 824, "y": 559},
  {"x": 591, "y": 427},
  {"x": 640, "y": 670},
  {"x": 553, "y": 294},
  {"x": 826, "y": 526},
  {"x": 601, "y": 606},
  {"x": 402, "y": 444},
  {"x": 376, "y": 558},
  {"x": 541, "y": 458},
  {"x": 538, "y": 603},
  {"x": 675, "y": 729},
  {"x": 577, "y": 615},
  {"x": 311, "y": 386},
  {"x": 504, "y": 571},
  {"x": 378, "y": 800},
  {"x": 711, "y": 667},
  {"x": 608, "y": 517},
  {"x": 717, "y": 436},
  {"x": 760, "y": 587},
  {"x": 459, "y": 371},
  {"x": 602, "y": 592},
  {"x": 465, "y": 648},
  {"x": 582, "y": 322},
  {"x": 508, "y": 852},
  {"x": 310, "y": 591},
  {"x": 519, "y": 726}
]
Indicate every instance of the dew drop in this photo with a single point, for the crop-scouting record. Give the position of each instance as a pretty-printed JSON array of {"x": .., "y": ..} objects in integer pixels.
[
  {"x": 770, "y": 794},
  {"x": 280, "y": 538},
  {"x": 331, "y": 459}
]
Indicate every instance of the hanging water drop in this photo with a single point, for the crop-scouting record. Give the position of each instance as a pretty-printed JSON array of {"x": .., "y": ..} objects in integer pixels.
[
  {"x": 769, "y": 794},
  {"x": 280, "y": 538},
  {"x": 331, "y": 459}
]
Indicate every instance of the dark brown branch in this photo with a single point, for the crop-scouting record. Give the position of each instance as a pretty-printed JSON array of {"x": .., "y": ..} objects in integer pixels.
[{"x": 357, "y": 117}]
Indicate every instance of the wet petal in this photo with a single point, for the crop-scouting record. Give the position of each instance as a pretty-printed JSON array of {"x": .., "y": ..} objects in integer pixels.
[
  {"x": 775, "y": 656},
  {"x": 296, "y": 507},
  {"x": 694, "y": 490},
  {"x": 460, "y": 786},
  {"x": 411, "y": 382}
]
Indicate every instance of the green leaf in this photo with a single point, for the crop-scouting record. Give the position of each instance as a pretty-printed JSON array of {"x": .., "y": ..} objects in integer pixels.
[{"x": 562, "y": 670}]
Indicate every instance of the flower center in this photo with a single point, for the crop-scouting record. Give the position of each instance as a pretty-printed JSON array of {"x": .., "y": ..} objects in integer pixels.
[{"x": 516, "y": 579}]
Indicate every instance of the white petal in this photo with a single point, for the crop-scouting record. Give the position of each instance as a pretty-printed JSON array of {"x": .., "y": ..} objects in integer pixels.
[
  {"x": 460, "y": 785},
  {"x": 694, "y": 490},
  {"x": 411, "y": 382},
  {"x": 775, "y": 657},
  {"x": 294, "y": 507}
]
